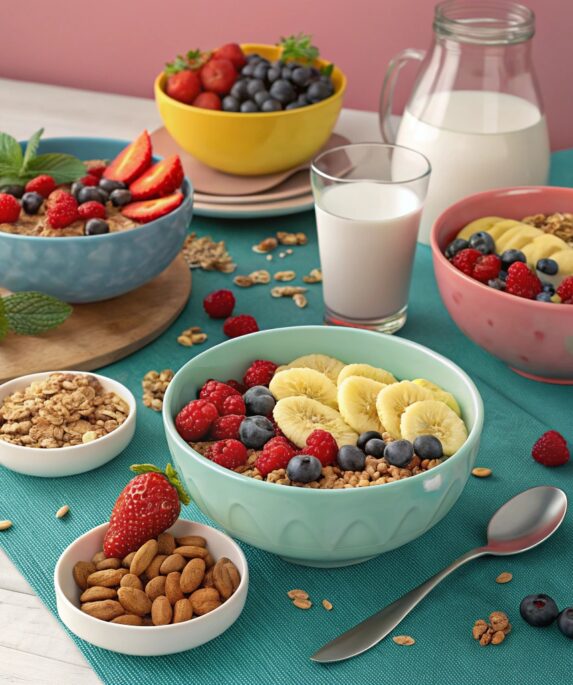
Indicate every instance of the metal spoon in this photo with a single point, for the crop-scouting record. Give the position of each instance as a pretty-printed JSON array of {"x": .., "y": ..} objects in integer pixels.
[{"x": 522, "y": 523}]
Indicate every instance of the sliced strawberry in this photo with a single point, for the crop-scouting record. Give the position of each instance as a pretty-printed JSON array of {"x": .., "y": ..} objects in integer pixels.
[
  {"x": 132, "y": 161},
  {"x": 161, "y": 179},
  {"x": 149, "y": 210}
]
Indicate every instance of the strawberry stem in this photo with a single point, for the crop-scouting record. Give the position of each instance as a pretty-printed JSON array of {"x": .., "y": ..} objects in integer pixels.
[{"x": 170, "y": 473}]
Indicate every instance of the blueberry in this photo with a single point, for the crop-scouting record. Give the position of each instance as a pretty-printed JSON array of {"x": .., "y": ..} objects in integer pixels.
[
  {"x": 283, "y": 91},
  {"x": 31, "y": 202},
  {"x": 273, "y": 74},
  {"x": 249, "y": 69},
  {"x": 318, "y": 91},
  {"x": 399, "y": 452},
  {"x": 297, "y": 104},
  {"x": 239, "y": 90},
  {"x": 303, "y": 468},
  {"x": 120, "y": 197},
  {"x": 548, "y": 288},
  {"x": 261, "y": 96},
  {"x": 109, "y": 186},
  {"x": 301, "y": 76},
  {"x": 230, "y": 104},
  {"x": 496, "y": 283},
  {"x": 351, "y": 458},
  {"x": 278, "y": 64},
  {"x": 286, "y": 73},
  {"x": 255, "y": 431},
  {"x": 91, "y": 193},
  {"x": 16, "y": 191},
  {"x": 502, "y": 275},
  {"x": 538, "y": 610},
  {"x": 456, "y": 246},
  {"x": 543, "y": 296},
  {"x": 547, "y": 266},
  {"x": 76, "y": 187},
  {"x": 509, "y": 257},
  {"x": 428, "y": 447},
  {"x": 261, "y": 71},
  {"x": 364, "y": 437},
  {"x": 253, "y": 57},
  {"x": 482, "y": 242},
  {"x": 96, "y": 227},
  {"x": 565, "y": 622},
  {"x": 249, "y": 106},
  {"x": 375, "y": 448},
  {"x": 259, "y": 401},
  {"x": 271, "y": 106},
  {"x": 254, "y": 86}
]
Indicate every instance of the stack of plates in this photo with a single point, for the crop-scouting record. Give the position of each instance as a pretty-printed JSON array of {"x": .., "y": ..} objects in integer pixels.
[{"x": 217, "y": 194}]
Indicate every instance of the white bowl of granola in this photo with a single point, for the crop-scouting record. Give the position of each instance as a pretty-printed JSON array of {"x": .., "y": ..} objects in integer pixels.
[{"x": 61, "y": 423}]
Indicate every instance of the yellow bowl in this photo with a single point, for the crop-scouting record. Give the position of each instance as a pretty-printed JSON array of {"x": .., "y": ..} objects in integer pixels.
[{"x": 252, "y": 144}]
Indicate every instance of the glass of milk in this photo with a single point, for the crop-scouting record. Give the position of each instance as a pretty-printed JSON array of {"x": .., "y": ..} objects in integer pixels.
[{"x": 368, "y": 199}]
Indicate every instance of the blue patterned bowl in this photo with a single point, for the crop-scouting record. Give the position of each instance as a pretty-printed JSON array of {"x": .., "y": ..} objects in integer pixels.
[
  {"x": 94, "y": 268},
  {"x": 323, "y": 527}
]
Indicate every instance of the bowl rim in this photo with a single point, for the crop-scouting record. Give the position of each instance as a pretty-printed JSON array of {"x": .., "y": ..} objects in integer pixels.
[
  {"x": 159, "y": 87},
  {"x": 186, "y": 189},
  {"x": 124, "y": 392},
  {"x": 473, "y": 434},
  {"x": 484, "y": 195},
  {"x": 172, "y": 626}
]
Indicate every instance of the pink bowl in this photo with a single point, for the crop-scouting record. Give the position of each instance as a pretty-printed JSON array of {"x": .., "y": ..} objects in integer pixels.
[{"x": 534, "y": 338}]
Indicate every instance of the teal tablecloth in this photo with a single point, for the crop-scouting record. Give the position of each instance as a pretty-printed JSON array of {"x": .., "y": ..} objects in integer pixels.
[{"x": 272, "y": 640}]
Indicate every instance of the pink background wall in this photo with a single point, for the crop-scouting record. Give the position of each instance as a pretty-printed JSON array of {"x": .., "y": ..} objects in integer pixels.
[{"x": 119, "y": 46}]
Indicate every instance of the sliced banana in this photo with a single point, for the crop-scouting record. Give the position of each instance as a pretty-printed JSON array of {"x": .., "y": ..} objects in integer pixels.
[
  {"x": 357, "y": 403},
  {"x": 297, "y": 417},
  {"x": 393, "y": 400},
  {"x": 367, "y": 371},
  {"x": 432, "y": 417},
  {"x": 497, "y": 230},
  {"x": 305, "y": 382},
  {"x": 542, "y": 247},
  {"x": 440, "y": 394},
  {"x": 483, "y": 224},
  {"x": 329, "y": 366},
  {"x": 517, "y": 237},
  {"x": 564, "y": 259}
]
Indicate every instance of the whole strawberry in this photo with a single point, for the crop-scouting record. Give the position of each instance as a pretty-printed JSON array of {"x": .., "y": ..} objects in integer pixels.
[{"x": 147, "y": 506}]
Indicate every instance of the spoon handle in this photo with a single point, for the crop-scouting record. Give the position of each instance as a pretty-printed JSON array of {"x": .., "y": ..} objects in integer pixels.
[{"x": 374, "y": 629}]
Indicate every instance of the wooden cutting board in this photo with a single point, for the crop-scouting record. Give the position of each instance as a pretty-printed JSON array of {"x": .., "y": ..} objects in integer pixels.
[{"x": 100, "y": 333}]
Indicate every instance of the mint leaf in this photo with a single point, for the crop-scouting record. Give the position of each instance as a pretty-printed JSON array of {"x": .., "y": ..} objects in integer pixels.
[
  {"x": 3, "y": 321},
  {"x": 62, "y": 168},
  {"x": 30, "y": 313},
  {"x": 298, "y": 47},
  {"x": 31, "y": 149},
  {"x": 10, "y": 152},
  {"x": 327, "y": 70},
  {"x": 9, "y": 179}
]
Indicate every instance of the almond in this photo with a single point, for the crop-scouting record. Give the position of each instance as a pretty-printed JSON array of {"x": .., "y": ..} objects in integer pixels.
[
  {"x": 155, "y": 587},
  {"x": 192, "y": 575},
  {"x": 82, "y": 570},
  {"x": 161, "y": 611},
  {"x": 209, "y": 560},
  {"x": 97, "y": 557},
  {"x": 126, "y": 561},
  {"x": 191, "y": 551},
  {"x": 165, "y": 543},
  {"x": 108, "y": 578},
  {"x": 222, "y": 580},
  {"x": 134, "y": 601},
  {"x": 173, "y": 587},
  {"x": 108, "y": 563},
  {"x": 182, "y": 611},
  {"x": 131, "y": 580},
  {"x": 106, "y": 610},
  {"x": 191, "y": 540},
  {"x": 128, "y": 620},
  {"x": 143, "y": 557},
  {"x": 208, "y": 579},
  {"x": 233, "y": 571},
  {"x": 97, "y": 594},
  {"x": 205, "y": 600},
  {"x": 155, "y": 565},
  {"x": 174, "y": 562}
]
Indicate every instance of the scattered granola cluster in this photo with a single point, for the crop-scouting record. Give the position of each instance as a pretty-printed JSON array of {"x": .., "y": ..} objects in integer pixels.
[
  {"x": 204, "y": 253},
  {"x": 493, "y": 632},
  {"x": 154, "y": 385},
  {"x": 61, "y": 411}
]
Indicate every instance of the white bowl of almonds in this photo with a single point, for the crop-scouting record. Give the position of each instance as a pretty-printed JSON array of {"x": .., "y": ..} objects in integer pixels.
[
  {"x": 174, "y": 593},
  {"x": 61, "y": 423}
]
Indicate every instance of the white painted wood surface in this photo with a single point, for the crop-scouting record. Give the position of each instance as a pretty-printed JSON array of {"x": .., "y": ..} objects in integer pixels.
[{"x": 33, "y": 647}]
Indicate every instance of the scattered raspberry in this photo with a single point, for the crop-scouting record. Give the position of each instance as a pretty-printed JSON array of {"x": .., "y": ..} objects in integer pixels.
[
  {"x": 486, "y": 268},
  {"x": 565, "y": 290},
  {"x": 217, "y": 392},
  {"x": 95, "y": 168},
  {"x": 92, "y": 210},
  {"x": 224, "y": 427},
  {"x": 229, "y": 453},
  {"x": 195, "y": 419},
  {"x": 89, "y": 180},
  {"x": 276, "y": 454},
  {"x": 219, "y": 304},
  {"x": 234, "y": 404},
  {"x": 521, "y": 281},
  {"x": 322, "y": 445},
  {"x": 551, "y": 449},
  {"x": 243, "y": 324},
  {"x": 43, "y": 184},
  {"x": 260, "y": 372},
  {"x": 62, "y": 212},
  {"x": 465, "y": 260},
  {"x": 9, "y": 209},
  {"x": 239, "y": 387}
]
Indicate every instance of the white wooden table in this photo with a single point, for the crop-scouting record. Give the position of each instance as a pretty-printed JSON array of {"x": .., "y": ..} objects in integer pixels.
[{"x": 33, "y": 646}]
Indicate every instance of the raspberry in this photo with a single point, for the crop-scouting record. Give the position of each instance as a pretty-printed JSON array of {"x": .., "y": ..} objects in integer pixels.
[
  {"x": 92, "y": 210},
  {"x": 57, "y": 196},
  {"x": 551, "y": 449},
  {"x": 95, "y": 169},
  {"x": 234, "y": 404},
  {"x": 239, "y": 387},
  {"x": 43, "y": 184},
  {"x": 260, "y": 372},
  {"x": 521, "y": 281},
  {"x": 217, "y": 392},
  {"x": 229, "y": 453},
  {"x": 219, "y": 304},
  {"x": 486, "y": 268},
  {"x": 62, "y": 212},
  {"x": 9, "y": 209},
  {"x": 322, "y": 445},
  {"x": 276, "y": 454},
  {"x": 565, "y": 290},
  {"x": 195, "y": 419},
  {"x": 465, "y": 260},
  {"x": 224, "y": 427},
  {"x": 89, "y": 180},
  {"x": 236, "y": 326}
]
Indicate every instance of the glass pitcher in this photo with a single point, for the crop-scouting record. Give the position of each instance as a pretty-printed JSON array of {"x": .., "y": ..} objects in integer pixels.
[{"x": 475, "y": 110}]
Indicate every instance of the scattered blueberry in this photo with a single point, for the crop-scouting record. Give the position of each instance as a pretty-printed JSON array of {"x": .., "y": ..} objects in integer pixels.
[
  {"x": 364, "y": 437},
  {"x": 399, "y": 452},
  {"x": 547, "y": 266},
  {"x": 31, "y": 202},
  {"x": 565, "y": 622},
  {"x": 283, "y": 91},
  {"x": 249, "y": 106},
  {"x": 230, "y": 104},
  {"x": 271, "y": 106},
  {"x": 509, "y": 257},
  {"x": 482, "y": 242},
  {"x": 255, "y": 431},
  {"x": 303, "y": 468},
  {"x": 109, "y": 186},
  {"x": 96, "y": 227},
  {"x": 120, "y": 197},
  {"x": 375, "y": 448},
  {"x": 538, "y": 610},
  {"x": 456, "y": 246},
  {"x": 428, "y": 447},
  {"x": 16, "y": 191},
  {"x": 259, "y": 401},
  {"x": 91, "y": 193},
  {"x": 351, "y": 458},
  {"x": 543, "y": 296}
]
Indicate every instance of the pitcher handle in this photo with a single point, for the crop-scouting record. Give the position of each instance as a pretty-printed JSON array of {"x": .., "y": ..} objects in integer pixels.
[{"x": 387, "y": 95}]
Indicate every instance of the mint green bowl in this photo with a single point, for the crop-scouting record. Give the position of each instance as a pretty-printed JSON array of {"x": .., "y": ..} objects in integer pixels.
[{"x": 325, "y": 528}]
